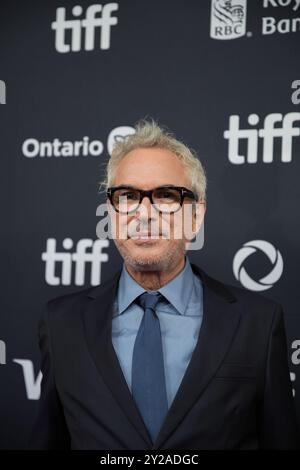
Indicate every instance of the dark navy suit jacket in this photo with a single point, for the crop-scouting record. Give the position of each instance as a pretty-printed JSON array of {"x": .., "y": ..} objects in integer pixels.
[{"x": 236, "y": 392}]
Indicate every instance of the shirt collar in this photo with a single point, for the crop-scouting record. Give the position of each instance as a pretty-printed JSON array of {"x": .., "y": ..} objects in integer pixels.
[{"x": 177, "y": 291}]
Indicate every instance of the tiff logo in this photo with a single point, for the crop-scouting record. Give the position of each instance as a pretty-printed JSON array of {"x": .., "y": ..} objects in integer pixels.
[
  {"x": 80, "y": 258},
  {"x": 2, "y": 92},
  {"x": 283, "y": 130},
  {"x": 89, "y": 24}
]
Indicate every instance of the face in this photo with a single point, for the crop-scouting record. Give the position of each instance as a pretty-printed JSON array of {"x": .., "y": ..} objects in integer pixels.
[{"x": 147, "y": 169}]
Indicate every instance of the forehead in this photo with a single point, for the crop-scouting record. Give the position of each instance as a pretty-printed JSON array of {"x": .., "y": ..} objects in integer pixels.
[{"x": 145, "y": 167}]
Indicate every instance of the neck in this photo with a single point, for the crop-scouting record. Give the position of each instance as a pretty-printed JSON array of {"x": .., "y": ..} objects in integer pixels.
[{"x": 153, "y": 280}]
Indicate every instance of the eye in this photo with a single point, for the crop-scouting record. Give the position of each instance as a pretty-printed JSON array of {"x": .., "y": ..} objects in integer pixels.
[
  {"x": 163, "y": 193},
  {"x": 127, "y": 194},
  {"x": 167, "y": 195}
]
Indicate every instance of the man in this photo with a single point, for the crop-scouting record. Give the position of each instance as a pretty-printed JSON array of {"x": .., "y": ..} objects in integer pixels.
[{"x": 162, "y": 356}]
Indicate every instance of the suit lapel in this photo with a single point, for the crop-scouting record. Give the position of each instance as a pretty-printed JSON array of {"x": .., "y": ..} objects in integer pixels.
[
  {"x": 98, "y": 327},
  {"x": 219, "y": 324}
]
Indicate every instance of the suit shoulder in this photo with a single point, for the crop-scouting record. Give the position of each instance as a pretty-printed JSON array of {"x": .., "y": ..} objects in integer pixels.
[
  {"x": 69, "y": 298},
  {"x": 232, "y": 293},
  {"x": 256, "y": 308},
  {"x": 258, "y": 312},
  {"x": 253, "y": 298},
  {"x": 70, "y": 303},
  {"x": 249, "y": 302},
  {"x": 62, "y": 306}
]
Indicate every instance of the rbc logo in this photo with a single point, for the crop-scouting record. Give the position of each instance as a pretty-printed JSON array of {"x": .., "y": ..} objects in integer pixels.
[{"x": 228, "y": 19}]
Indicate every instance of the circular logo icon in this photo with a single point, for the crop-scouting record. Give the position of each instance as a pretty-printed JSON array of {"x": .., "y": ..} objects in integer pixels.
[
  {"x": 275, "y": 259},
  {"x": 117, "y": 134}
]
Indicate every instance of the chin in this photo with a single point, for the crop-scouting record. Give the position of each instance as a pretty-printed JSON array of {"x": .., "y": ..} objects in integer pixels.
[
  {"x": 141, "y": 258},
  {"x": 149, "y": 258},
  {"x": 146, "y": 258}
]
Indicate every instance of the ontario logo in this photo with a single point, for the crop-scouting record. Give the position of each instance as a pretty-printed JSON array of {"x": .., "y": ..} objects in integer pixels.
[{"x": 228, "y": 19}]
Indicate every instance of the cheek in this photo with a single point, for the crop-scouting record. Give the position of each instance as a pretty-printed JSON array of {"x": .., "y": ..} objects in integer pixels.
[
  {"x": 189, "y": 223},
  {"x": 120, "y": 227},
  {"x": 177, "y": 226},
  {"x": 172, "y": 227}
]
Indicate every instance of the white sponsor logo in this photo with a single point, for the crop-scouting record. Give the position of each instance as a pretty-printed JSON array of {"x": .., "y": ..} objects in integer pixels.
[
  {"x": 2, "y": 352},
  {"x": 228, "y": 19},
  {"x": 296, "y": 94},
  {"x": 271, "y": 25},
  {"x": 80, "y": 258},
  {"x": 295, "y": 359},
  {"x": 294, "y": 4},
  {"x": 2, "y": 92},
  {"x": 247, "y": 250},
  {"x": 97, "y": 16},
  {"x": 32, "y": 148},
  {"x": 118, "y": 134},
  {"x": 32, "y": 384},
  {"x": 296, "y": 353},
  {"x": 293, "y": 379},
  {"x": 268, "y": 133}
]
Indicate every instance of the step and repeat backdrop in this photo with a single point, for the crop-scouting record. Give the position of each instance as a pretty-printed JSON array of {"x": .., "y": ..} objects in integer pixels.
[{"x": 224, "y": 76}]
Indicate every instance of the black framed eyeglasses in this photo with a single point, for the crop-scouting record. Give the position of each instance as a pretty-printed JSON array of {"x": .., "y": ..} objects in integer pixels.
[{"x": 167, "y": 198}]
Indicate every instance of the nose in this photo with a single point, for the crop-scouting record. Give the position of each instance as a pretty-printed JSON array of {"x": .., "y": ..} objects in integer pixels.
[{"x": 145, "y": 209}]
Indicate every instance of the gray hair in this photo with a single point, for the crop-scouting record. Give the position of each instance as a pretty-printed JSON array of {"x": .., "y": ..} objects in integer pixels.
[{"x": 148, "y": 134}]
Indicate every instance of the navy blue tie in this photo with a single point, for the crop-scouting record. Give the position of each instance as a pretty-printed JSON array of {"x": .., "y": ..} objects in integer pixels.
[{"x": 148, "y": 375}]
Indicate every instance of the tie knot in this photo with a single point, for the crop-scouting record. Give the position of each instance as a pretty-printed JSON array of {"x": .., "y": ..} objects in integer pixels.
[{"x": 148, "y": 300}]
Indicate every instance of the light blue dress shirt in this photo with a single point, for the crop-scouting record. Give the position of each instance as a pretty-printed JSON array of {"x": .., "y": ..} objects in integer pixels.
[{"x": 180, "y": 315}]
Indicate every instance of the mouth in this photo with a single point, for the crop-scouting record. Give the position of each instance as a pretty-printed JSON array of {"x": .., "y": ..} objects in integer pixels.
[{"x": 145, "y": 238}]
